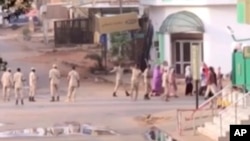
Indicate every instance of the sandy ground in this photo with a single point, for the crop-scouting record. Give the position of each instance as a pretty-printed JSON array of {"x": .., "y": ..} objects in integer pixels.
[{"x": 94, "y": 102}]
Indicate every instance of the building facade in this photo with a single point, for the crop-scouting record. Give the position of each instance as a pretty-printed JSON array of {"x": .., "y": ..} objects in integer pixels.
[{"x": 180, "y": 24}]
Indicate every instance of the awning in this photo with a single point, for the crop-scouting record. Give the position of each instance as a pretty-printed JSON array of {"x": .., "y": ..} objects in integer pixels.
[{"x": 182, "y": 22}]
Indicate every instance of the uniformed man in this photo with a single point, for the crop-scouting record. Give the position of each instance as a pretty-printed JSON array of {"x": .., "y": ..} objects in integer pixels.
[
  {"x": 54, "y": 76},
  {"x": 146, "y": 79},
  {"x": 73, "y": 84},
  {"x": 32, "y": 85},
  {"x": 7, "y": 83},
  {"x": 18, "y": 86},
  {"x": 135, "y": 81},
  {"x": 119, "y": 70}
]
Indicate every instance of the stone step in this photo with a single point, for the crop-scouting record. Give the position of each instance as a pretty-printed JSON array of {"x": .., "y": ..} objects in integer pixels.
[
  {"x": 244, "y": 112},
  {"x": 227, "y": 138},
  {"x": 210, "y": 130},
  {"x": 226, "y": 121},
  {"x": 215, "y": 128},
  {"x": 208, "y": 133}
]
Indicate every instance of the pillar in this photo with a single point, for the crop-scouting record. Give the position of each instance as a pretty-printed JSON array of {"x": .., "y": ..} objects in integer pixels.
[
  {"x": 161, "y": 49},
  {"x": 164, "y": 47}
]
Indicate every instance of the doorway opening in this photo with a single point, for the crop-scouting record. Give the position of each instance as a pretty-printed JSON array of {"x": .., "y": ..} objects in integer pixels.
[
  {"x": 181, "y": 49},
  {"x": 185, "y": 29}
]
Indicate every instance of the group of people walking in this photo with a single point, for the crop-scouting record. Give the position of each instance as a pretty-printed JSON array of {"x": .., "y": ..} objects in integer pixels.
[
  {"x": 17, "y": 80},
  {"x": 162, "y": 81},
  {"x": 210, "y": 81},
  {"x": 159, "y": 81}
]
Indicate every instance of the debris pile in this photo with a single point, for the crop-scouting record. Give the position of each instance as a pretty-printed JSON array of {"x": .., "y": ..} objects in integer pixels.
[
  {"x": 155, "y": 134},
  {"x": 67, "y": 128}
]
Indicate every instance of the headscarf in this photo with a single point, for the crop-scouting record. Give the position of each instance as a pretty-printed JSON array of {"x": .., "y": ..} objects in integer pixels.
[
  {"x": 205, "y": 67},
  {"x": 188, "y": 72},
  {"x": 164, "y": 67}
]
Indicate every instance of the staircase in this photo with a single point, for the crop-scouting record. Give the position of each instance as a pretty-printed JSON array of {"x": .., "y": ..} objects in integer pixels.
[{"x": 238, "y": 112}]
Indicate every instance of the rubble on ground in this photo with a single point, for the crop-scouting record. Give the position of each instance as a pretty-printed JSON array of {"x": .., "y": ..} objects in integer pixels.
[
  {"x": 66, "y": 128},
  {"x": 156, "y": 134}
]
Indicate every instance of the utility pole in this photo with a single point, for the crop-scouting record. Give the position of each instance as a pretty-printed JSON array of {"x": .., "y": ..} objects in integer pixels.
[
  {"x": 45, "y": 23},
  {"x": 120, "y": 6}
]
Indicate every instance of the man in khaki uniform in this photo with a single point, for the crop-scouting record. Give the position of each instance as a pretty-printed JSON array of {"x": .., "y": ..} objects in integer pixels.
[
  {"x": 135, "y": 81},
  {"x": 74, "y": 83},
  {"x": 54, "y": 76},
  {"x": 119, "y": 70},
  {"x": 32, "y": 85},
  {"x": 7, "y": 83},
  {"x": 147, "y": 85},
  {"x": 18, "y": 86}
]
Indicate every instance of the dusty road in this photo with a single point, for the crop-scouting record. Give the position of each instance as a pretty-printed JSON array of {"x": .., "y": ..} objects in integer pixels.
[{"x": 94, "y": 105}]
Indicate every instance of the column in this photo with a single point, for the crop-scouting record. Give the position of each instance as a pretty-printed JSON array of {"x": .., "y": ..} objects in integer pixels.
[
  {"x": 164, "y": 47},
  {"x": 161, "y": 49},
  {"x": 167, "y": 48},
  {"x": 207, "y": 47}
]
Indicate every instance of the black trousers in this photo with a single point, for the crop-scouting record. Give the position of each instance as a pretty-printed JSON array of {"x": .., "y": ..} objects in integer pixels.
[
  {"x": 189, "y": 89},
  {"x": 202, "y": 90}
]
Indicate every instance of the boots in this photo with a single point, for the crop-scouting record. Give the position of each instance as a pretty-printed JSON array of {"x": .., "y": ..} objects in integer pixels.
[
  {"x": 127, "y": 94},
  {"x": 146, "y": 97},
  {"x": 52, "y": 99},
  {"x": 22, "y": 102},
  {"x": 30, "y": 99},
  {"x": 114, "y": 94},
  {"x": 57, "y": 98},
  {"x": 33, "y": 99},
  {"x": 16, "y": 101}
]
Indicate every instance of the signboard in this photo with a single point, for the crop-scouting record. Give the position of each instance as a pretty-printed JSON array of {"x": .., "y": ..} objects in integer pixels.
[
  {"x": 57, "y": 11},
  {"x": 243, "y": 9},
  {"x": 246, "y": 52},
  {"x": 196, "y": 60},
  {"x": 121, "y": 22}
]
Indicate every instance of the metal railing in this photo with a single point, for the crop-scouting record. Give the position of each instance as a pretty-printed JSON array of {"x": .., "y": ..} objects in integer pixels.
[
  {"x": 236, "y": 107},
  {"x": 211, "y": 102}
]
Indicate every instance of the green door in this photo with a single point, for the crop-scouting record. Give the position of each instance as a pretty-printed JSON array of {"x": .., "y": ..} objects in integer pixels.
[
  {"x": 161, "y": 47},
  {"x": 238, "y": 69}
]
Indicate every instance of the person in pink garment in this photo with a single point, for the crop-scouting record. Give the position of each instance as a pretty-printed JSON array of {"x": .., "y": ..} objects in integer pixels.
[{"x": 157, "y": 81}]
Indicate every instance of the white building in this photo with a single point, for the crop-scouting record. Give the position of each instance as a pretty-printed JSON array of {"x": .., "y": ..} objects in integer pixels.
[{"x": 178, "y": 24}]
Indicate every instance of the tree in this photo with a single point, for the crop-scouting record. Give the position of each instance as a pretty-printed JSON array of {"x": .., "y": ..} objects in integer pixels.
[
  {"x": 14, "y": 8},
  {"x": 120, "y": 43}
]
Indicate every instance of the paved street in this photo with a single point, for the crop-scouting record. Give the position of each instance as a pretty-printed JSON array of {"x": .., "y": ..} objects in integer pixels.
[{"x": 93, "y": 105}]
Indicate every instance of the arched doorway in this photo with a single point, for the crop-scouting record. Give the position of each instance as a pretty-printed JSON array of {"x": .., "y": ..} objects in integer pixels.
[{"x": 185, "y": 29}]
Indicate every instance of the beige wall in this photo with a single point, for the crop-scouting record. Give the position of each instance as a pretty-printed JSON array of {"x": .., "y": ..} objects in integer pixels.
[{"x": 217, "y": 41}]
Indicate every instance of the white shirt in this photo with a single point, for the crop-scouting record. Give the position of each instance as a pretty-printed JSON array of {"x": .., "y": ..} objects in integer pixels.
[
  {"x": 18, "y": 80},
  {"x": 119, "y": 72},
  {"x": 54, "y": 76},
  {"x": 32, "y": 79},
  {"x": 146, "y": 75},
  {"x": 135, "y": 75},
  {"x": 74, "y": 78},
  {"x": 7, "y": 79}
]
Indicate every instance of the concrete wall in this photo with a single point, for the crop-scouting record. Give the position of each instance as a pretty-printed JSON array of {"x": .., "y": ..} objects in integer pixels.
[
  {"x": 217, "y": 41},
  {"x": 187, "y": 2}
]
